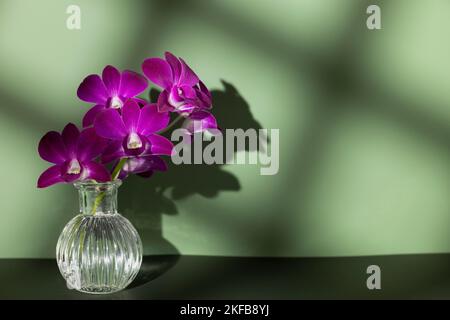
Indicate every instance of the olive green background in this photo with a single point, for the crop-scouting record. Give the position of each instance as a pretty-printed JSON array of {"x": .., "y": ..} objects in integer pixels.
[{"x": 364, "y": 119}]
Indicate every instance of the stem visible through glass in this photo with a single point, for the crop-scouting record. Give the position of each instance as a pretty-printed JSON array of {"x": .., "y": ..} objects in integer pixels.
[{"x": 114, "y": 175}]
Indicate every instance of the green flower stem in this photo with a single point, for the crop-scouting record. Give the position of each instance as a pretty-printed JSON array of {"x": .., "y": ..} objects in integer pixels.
[
  {"x": 102, "y": 194},
  {"x": 117, "y": 169},
  {"x": 98, "y": 200},
  {"x": 174, "y": 122}
]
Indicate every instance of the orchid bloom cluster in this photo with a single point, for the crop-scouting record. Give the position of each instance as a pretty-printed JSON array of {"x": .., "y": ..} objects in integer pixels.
[{"x": 122, "y": 131}]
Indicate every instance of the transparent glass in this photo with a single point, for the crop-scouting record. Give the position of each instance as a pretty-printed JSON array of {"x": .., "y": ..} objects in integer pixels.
[{"x": 99, "y": 250}]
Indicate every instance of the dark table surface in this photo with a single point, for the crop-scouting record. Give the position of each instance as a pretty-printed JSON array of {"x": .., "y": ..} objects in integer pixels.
[{"x": 206, "y": 277}]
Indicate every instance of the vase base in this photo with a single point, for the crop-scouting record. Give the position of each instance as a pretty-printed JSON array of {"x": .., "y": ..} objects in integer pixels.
[{"x": 99, "y": 289}]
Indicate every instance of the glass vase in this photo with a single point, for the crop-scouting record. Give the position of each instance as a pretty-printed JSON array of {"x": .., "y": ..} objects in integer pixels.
[{"x": 99, "y": 250}]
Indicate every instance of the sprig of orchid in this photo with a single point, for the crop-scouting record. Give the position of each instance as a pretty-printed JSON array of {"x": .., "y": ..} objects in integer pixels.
[{"x": 124, "y": 130}]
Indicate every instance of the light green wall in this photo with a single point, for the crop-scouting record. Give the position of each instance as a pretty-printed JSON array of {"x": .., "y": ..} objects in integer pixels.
[{"x": 364, "y": 119}]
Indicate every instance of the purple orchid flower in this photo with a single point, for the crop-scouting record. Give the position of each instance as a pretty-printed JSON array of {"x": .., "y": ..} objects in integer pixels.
[
  {"x": 72, "y": 154},
  {"x": 142, "y": 166},
  {"x": 133, "y": 132},
  {"x": 183, "y": 92},
  {"x": 111, "y": 90}
]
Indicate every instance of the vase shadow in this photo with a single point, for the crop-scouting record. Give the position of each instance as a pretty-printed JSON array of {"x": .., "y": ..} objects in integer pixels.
[
  {"x": 153, "y": 266},
  {"x": 233, "y": 112},
  {"x": 145, "y": 204},
  {"x": 146, "y": 200},
  {"x": 181, "y": 181}
]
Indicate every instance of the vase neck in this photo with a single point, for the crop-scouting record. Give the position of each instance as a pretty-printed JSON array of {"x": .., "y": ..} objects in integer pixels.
[{"x": 98, "y": 198}]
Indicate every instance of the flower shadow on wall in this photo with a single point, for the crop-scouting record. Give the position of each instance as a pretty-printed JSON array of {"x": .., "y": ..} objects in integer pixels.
[{"x": 163, "y": 190}]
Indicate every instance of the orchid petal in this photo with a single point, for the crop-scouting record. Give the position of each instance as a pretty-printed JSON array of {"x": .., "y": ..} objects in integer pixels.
[
  {"x": 175, "y": 65},
  {"x": 156, "y": 163},
  {"x": 70, "y": 136},
  {"x": 163, "y": 102},
  {"x": 92, "y": 90},
  {"x": 113, "y": 152},
  {"x": 151, "y": 120},
  {"x": 204, "y": 89},
  {"x": 158, "y": 145},
  {"x": 108, "y": 124},
  {"x": 143, "y": 166},
  {"x": 98, "y": 172},
  {"x": 204, "y": 96},
  {"x": 188, "y": 92},
  {"x": 50, "y": 177},
  {"x": 203, "y": 101},
  {"x": 90, "y": 145},
  {"x": 187, "y": 76},
  {"x": 132, "y": 84},
  {"x": 111, "y": 79},
  {"x": 130, "y": 115},
  {"x": 89, "y": 117},
  {"x": 158, "y": 71},
  {"x": 200, "y": 121},
  {"x": 52, "y": 149},
  {"x": 122, "y": 175}
]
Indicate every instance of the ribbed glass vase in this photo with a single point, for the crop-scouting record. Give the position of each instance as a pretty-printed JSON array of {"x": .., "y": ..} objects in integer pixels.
[{"x": 99, "y": 250}]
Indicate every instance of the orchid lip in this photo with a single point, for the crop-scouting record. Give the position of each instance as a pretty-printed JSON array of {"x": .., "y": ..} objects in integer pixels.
[
  {"x": 74, "y": 167},
  {"x": 174, "y": 102},
  {"x": 134, "y": 141},
  {"x": 116, "y": 103}
]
